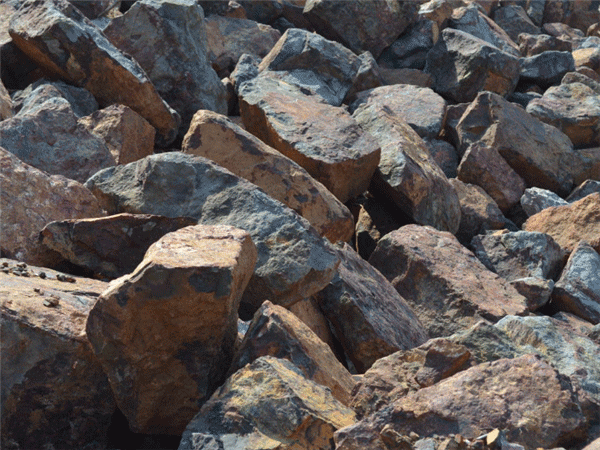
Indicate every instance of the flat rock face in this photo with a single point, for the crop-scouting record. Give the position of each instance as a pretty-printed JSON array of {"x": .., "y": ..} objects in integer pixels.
[
  {"x": 369, "y": 317},
  {"x": 546, "y": 68},
  {"x": 323, "y": 139},
  {"x": 361, "y": 24},
  {"x": 535, "y": 200},
  {"x": 524, "y": 396},
  {"x": 293, "y": 260},
  {"x": 578, "y": 289},
  {"x": 275, "y": 331},
  {"x": 217, "y": 138},
  {"x": 29, "y": 199},
  {"x": 59, "y": 38},
  {"x": 571, "y": 223},
  {"x": 463, "y": 65},
  {"x": 168, "y": 39},
  {"x": 443, "y": 282},
  {"x": 188, "y": 288},
  {"x": 407, "y": 174},
  {"x": 541, "y": 154},
  {"x": 513, "y": 20},
  {"x": 109, "y": 246},
  {"x": 54, "y": 391},
  {"x": 267, "y": 405}
]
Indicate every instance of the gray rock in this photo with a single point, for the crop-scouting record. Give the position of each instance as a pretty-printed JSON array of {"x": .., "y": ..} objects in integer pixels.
[
  {"x": 28, "y": 100},
  {"x": 445, "y": 156},
  {"x": 410, "y": 50},
  {"x": 583, "y": 190},
  {"x": 536, "y": 290},
  {"x": 245, "y": 70},
  {"x": 514, "y": 20},
  {"x": 546, "y": 68},
  {"x": 536, "y": 199}
]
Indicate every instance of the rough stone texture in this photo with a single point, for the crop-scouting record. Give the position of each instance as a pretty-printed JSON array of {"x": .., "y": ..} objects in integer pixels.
[
  {"x": 537, "y": 291},
  {"x": 585, "y": 77},
  {"x": 275, "y": 331},
  {"x": 369, "y": 317},
  {"x": 541, "y": 154},
  {"x": 127, "y": 135},
  {"x": 483, "y": 166},
  {"x": 578, "y": 290},
  {"x": 109, "y": 246},
  {"x": 445, "y": 284},
  {"x": 587, "y": 57},
  {"x": 531, "y": 45},
  {"x": 229, "y": 38},
  {"x": 29, "y": 199},
  {"x": 437, "y": 10},
  {"x": 421, "y": 108},
  {"x": 323, "y": 139},
  {"x": 165, "y": 333},
  {"x": 583, "y": 190},
  {"x": 579, "y": 15},
  {"x": 546, "y": 68},
  {"x": 6, "y": 106},
  {"x": 407, "y": 174},
  {"x": 267, "y": 405},
  {"x": 478, "y": 211},
  {"x": 308, "y": 311},
  {"x": 54, "y": 392},
  {"x": 168, "y": 39},
  {"x": 405, "y": 76},
  {"x": 573, "y": 108},
  {"x": 526, "y": 397},
  {"x": 589, "y": 169},
  {"x": 535, "y": 200},
  {"x": 463, "y": 65},
  {"x": 293, "y": 263},
  {"x": 519, "y": 254},
  {"x": 220, "y": 140},
  {"x": 513, "y": 20},
  {"x": 361, "y": 24},
  {"x": 409, "y": 51},
  {"x": 571, "y": 223},
  {"x": 444, "y": 155},
  {"x": 59, "y": 38}
]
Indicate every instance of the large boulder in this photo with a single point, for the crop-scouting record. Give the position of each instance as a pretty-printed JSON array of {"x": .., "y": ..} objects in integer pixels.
[
  {"x": 444, "y": 283},
  {"x": 215, "y": 137},
  {"x": 54, "y": 391},
  {"x": 293, "y": 263},
  {"x": 62, "y": 40},
  {"x": 165, "y": 334},
  {"x": 546, "y": 68}
]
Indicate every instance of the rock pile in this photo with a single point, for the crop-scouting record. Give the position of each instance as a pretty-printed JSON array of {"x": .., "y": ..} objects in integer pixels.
[{"x": 300, "y": 224}]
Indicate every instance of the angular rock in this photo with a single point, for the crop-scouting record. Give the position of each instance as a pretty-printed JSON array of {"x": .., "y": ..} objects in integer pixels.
[
  {"x": 577, "y": 15},
  {"x": 245, "y": 70},
  {"x": 444, "y": 283},
  {"x": 571, "y": 223},
  {"x": 369, "y": 317},
  {"x": 307, "y": 310},
  {"x": 267, "y": 405},
  {"x": 165, "y": 333},
  {"x": 109, "y": 246},
  {"x": 217, "y": 138},
  {"x": 323, "y": 139},
  {"x": 535, "y": 200},
  {"x": 519, "y": 254},
  {"x": 585, "y": 77},
  {"x": 537, "y": 291},
  {"x": 560, "y": 29},
  {"x": 407, "y": 174},
  {"x": 437, "y": 10},
  {"x": 444, "y": 155},
  {"x": 513, "y": 20},
  {"x": 483, "y": 166},
  {"x": 525, "y": 396},
  {"x": 168, "y": 39},
  {"x": 361, "y": 24},
  {"x": 293, "y": 260},
  {"x": 463, "y": 65},
  {"x": 578, "y": 290},
  {"x": 583, "y": 190},
  {"x": 54, "y": 392},
  {"x": 229, "y": 38},
  {"x": 276, "y": 332},
  {"x": 410, "y": 50},
  {"x": 531, "y": 45},
  {"x": 589, "y": 169},
  {"x": 6, "y": 106},
  {"x": 30, "y": 199},
  {"x": 60, "y": 39},
  {"x": 587, "y": 57},
  {"x": 405, "y": 76},
  {"x": 541, "y": 154}
]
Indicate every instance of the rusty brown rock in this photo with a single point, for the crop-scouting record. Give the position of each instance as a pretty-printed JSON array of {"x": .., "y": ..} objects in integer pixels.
[
  {"x": 587, "y": 57},
  {"x": 531, "y": 45},
  {"x": 444, "y": 283},
  {"x": 30, "y": 199},
  {"x": 165, "y": 333},
  {"x": 217, "y": 138},
  {"x": 6, "y": 106},
  {"x": 307, "y": 310}
]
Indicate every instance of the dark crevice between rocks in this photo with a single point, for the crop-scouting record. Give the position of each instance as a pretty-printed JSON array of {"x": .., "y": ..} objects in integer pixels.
[{"x": 120, "y": 437}]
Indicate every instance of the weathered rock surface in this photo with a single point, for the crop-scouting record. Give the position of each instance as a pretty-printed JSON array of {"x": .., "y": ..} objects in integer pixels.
[
  {"x": 168, "y": 40},
  {"x": 583, "y": 190},
  {"x": 217, "y": 138},
  {"x": 570, "y": 224},
  {"x": 267, "y": 405},
  {"x": 407, "y": 174},
  {"x": 6, "y": 106},
  {"x": 463, "y": 65},
  {"x": 410, "y": 50},
  {"x": 578, "y": 289},
  {"x": 54, "y": 392},
  {"x": 513, "y": 20},
  {"x": 109, "y": 246},
  {"x": 275, "y": 331},
  {"x": 323, "y": 139},
  {"x": 293, "y": 260},
  {"x": 531, "y": 45},
  {"x": 537, "y": 291},
  {"x": 369, "y": 317},
  {"x": 535, "y": 200},
  {"x": 188, "y": 287},
  {"x": 30, "y": 199},
  {"x": 444, "y": 155},
  {"x": 444, "y": 283},
  {"x": 526, "y": 397},
  {"x": 546, "y": 68},
  {"x": 60, "y": 39}
]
